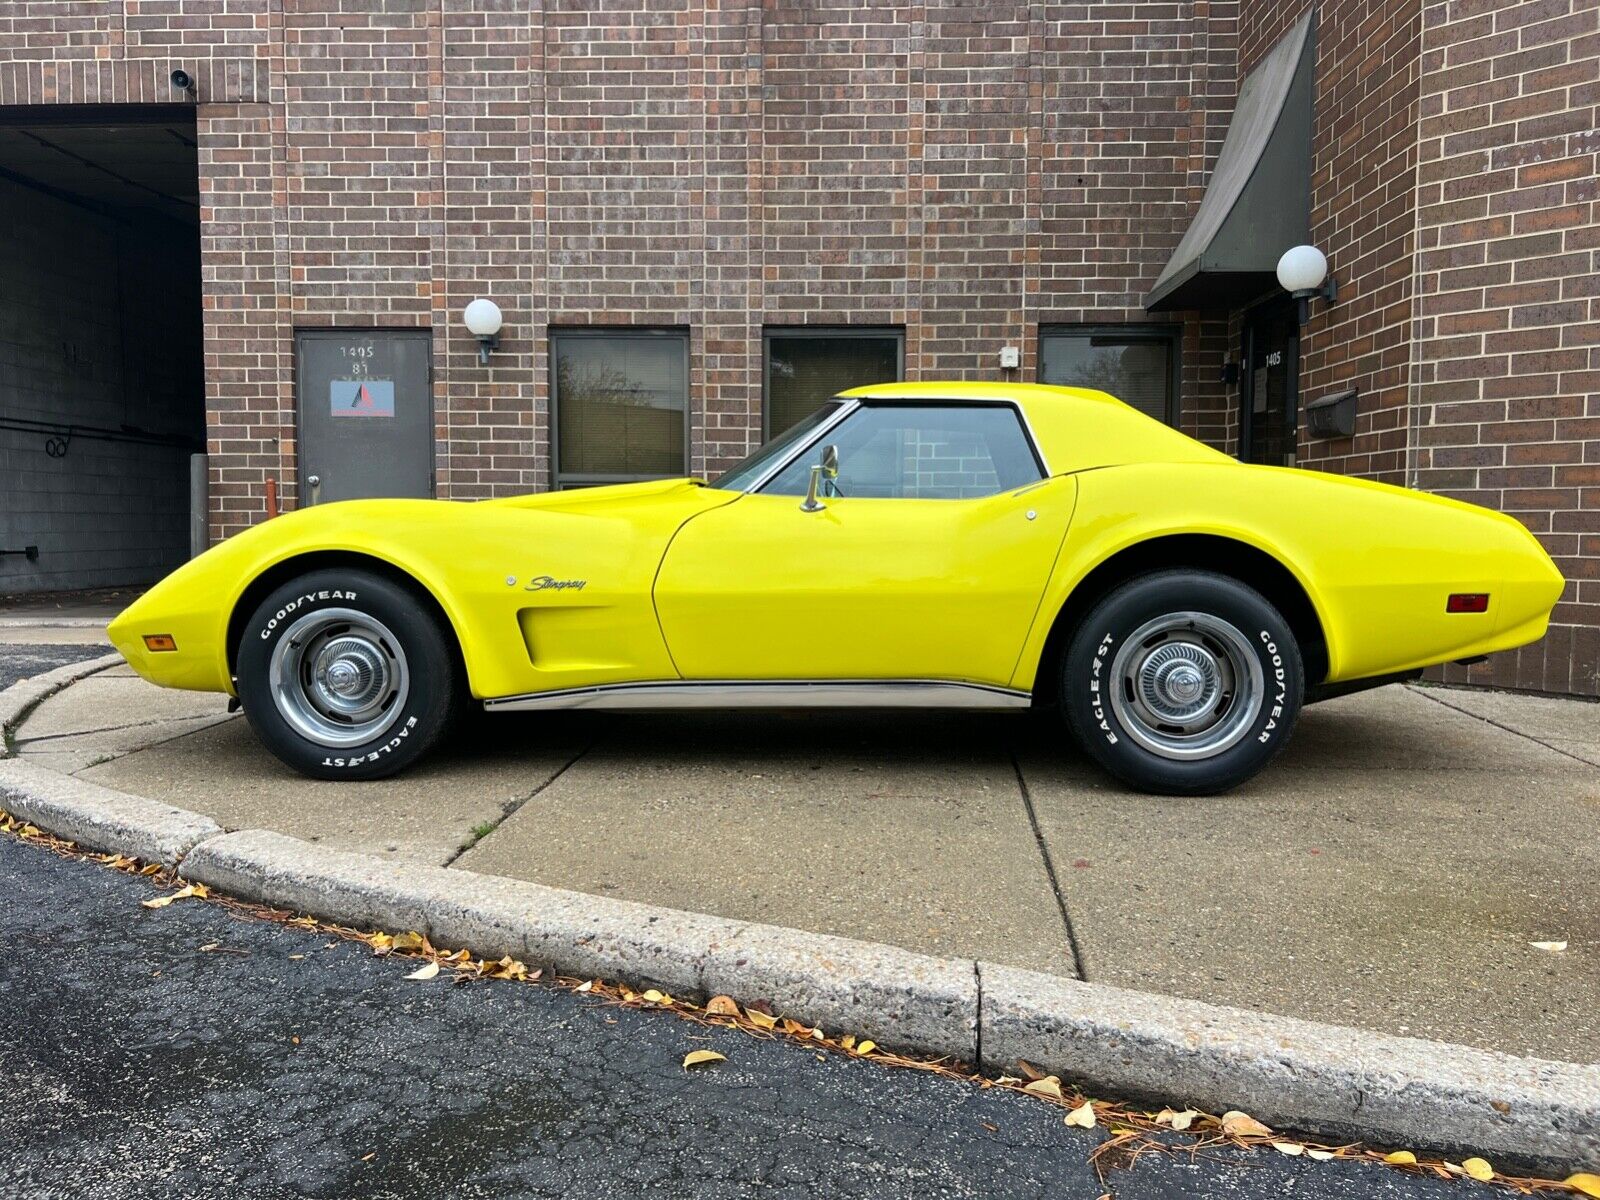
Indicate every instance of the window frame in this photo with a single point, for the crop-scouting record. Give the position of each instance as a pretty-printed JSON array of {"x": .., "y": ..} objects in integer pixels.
[
  {"x": 851, "y": 405},
  {"x": 559, "y": 480},
  {"x": 1168, "y": 332},
  {"x": 821, "y": 333}
]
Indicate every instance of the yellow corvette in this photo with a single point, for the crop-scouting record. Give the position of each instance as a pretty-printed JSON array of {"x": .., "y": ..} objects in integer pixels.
[{"x": 970, "y": 545}]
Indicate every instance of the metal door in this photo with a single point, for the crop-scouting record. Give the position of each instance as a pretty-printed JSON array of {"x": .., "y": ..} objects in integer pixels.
[{"x": 365, "y": 399}]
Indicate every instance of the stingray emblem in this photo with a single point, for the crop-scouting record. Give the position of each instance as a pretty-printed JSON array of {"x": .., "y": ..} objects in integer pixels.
[{"x": 543, "y": 583}]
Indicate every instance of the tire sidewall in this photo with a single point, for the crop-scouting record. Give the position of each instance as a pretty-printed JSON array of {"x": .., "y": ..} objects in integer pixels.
[
  {"x": 429, "y": 701},
  {"x": 1087, "y": 679}
]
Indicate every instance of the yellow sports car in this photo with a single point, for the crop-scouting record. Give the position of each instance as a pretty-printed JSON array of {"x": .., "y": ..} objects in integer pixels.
[{"x": 968, "y": 545}]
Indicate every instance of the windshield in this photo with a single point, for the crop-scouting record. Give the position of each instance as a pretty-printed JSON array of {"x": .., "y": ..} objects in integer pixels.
[{"x": 752, "y": 468}]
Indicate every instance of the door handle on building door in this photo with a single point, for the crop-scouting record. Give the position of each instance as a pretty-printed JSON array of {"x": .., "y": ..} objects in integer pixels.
[{"x": 314, "y": 482}]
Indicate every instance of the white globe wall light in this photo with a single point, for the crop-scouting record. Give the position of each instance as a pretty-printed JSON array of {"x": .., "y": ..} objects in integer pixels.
[
  {"x": 482, "y": 318},
  {"x": 1303, "y": 273}
]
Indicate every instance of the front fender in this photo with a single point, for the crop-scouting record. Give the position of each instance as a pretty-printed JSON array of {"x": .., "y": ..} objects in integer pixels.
[{"x": 476, "y": 560}]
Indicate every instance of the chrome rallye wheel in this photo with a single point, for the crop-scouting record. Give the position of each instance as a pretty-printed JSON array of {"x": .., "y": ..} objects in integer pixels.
[
  {"x": 1182, "y": 682},
  {"x": 346, "y": 675}
]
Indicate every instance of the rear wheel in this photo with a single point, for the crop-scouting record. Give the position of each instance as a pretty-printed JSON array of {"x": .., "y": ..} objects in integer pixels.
[
  {"x": 345, "y": 675},
  {"x": 1182, "y": 682}
]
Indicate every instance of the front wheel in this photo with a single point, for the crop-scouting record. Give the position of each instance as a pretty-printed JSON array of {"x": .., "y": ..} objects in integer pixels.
[
  {"x": 345, "y": 675},
  {"x": 1182, "y": 682}
]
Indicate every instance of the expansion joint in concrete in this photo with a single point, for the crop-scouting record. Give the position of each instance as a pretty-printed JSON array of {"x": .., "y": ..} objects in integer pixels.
[{"x": 1050, "y": 871}]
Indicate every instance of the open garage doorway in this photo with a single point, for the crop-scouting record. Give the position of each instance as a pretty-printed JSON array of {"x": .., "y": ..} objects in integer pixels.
[{"x": 102, "y": 379}]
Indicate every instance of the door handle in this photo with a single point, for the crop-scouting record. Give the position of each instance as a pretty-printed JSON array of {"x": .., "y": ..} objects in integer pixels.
[{"x": 314, "y": 482}]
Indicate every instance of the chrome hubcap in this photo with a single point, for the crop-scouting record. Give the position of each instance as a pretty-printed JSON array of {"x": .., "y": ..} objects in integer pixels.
[
  {"x": 1186, "y": 685},
  {"x": 339, "y": 677}
]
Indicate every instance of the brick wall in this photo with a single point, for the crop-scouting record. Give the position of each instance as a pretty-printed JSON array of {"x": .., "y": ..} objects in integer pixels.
[
  {"x": 967, "y": 172},
  {"x": 1507, "y": 327}
]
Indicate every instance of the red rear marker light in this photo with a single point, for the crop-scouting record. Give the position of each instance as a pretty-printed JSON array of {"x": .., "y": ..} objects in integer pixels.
[
  {"x": 159, "y": 642},
  {"x": 1467, "y": 602}
]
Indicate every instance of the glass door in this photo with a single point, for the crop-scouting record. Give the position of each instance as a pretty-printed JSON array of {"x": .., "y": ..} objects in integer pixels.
[{"x": 1269, "y": 393}]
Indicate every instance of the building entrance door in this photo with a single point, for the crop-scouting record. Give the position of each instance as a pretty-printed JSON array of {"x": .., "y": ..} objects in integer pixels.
[
  {"x": 365, "y": 400},
  {"x": 1270, "y": 390}
]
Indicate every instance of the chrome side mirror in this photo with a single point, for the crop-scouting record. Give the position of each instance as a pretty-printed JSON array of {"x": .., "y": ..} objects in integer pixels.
[{"x": 829, "y": 468}]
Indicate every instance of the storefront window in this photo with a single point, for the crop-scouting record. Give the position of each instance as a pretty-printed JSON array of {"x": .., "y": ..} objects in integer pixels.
[
  {"x": 621, "y": 402},
  {"x": 1136, "y": 364},
  {"x": 807, "y": 367}
]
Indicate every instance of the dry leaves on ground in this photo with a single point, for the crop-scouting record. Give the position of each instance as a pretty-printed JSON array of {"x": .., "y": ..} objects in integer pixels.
[
  {"x": 196, "y": 890},
  {"x": 696, "y": 1057}
]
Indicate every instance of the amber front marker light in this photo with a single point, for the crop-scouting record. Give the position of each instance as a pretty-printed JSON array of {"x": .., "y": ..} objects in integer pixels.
[
  {"x": 158, "y": 642},
  {"x": 1461, "y": 602}
]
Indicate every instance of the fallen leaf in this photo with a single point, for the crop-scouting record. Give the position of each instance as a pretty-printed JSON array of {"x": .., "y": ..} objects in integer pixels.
[
  {"x": 989, "y": 1127},
  {"x": 1400, "y": 1158},
  {"x": 158, "y": 901},
  {"x": 1552, "y": 947},
  {"x": 722, "y": 1006},
  {"x": 585, "y": 986},
  {"x": 1176, "y": 1120},
  {"x": 149, "y": 868},
  {"x": 1478, "y": 1168},
  {"x": 1082, "y": 1117},
  {"x": 430, "y": 971},
  {"x": 296, "y": 957},
  {"x": 1029, "y": 1071},
  {"x": 209, "y": 947},
  {"x": 653, "y": 996},
  {"x": 1048, "y": 1086},
  {"x": 1587, "y": 1184},
  {"x": 1320, "y": 1155},
  {"x": 1238, "y": 1124},
  {"x": 1292, "y": 1149},
  {"x": 866, "y": 1046},
  {"x": 407, "y": 941},
  {"x": 760, "y": 1019},
  {"x": 381, "y": 943},
  {"x": 369, "y": 1157},
  {"x": 695, "y": 1057}
]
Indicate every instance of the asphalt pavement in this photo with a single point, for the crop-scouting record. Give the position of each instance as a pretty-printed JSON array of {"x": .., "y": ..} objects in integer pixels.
[
  {"x": 25, "y": 661},
  {"x": 137, "y": 1063}
]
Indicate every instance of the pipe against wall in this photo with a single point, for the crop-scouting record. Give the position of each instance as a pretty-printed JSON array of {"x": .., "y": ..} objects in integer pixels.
[{"x": 199, "y": 504}]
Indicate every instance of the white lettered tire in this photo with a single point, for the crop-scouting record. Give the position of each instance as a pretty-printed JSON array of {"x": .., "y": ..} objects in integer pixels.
[
  {"x": 344, "y": 674},
  {"x": 1182, "y": 682}
]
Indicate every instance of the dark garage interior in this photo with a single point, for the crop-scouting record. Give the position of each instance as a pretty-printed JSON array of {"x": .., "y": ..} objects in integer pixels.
[{"x": 102, "y": 386}]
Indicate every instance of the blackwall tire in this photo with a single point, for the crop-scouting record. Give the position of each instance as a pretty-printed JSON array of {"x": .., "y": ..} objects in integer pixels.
[
  {"x": 1183, "y": 683},
  {"x": 346, "y": 675}
]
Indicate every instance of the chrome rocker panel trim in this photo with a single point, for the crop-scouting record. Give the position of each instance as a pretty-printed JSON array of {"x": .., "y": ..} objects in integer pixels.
[{"x": 756, "y": 693}]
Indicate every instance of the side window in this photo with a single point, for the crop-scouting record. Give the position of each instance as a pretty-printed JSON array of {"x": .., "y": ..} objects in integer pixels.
[{"x": 922, "y": 452}]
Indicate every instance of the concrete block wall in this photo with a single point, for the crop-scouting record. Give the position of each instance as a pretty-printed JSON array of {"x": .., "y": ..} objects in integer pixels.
[{"x": 90, "y": 334}]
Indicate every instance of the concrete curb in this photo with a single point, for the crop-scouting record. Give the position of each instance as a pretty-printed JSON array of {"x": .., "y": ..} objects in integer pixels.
[
  {"x": 22, "y": 697},
  {"x": 1290, "y": 1073},
  {"x": 100, "y": 818},
  {"x": 1332, "y": 1079},
  {"x": 53, "y": 623},
  {"x": 893, "y": 996}
]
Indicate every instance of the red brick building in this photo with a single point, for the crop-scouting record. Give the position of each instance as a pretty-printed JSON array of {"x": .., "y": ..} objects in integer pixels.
[{"x": 697, "y": 214}]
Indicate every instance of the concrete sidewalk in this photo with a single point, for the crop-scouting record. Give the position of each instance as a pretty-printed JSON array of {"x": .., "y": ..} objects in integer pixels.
[{"x": 1390, "y": 872}]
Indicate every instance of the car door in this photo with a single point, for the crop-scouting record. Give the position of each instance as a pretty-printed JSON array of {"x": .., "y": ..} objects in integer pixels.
[{"x": 925, "y": 560}]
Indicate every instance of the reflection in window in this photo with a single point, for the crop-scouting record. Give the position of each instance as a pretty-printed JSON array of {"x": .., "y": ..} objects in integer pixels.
[
  {"x": 915, "y": 452},
  {"x": 620, "y": 401},
  {"x": 806, "y": 368},
  {"x": 1133, "y": 363}
]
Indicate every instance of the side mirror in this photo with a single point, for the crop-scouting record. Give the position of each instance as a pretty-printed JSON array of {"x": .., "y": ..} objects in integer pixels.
[{"x": 829, "y": 468}]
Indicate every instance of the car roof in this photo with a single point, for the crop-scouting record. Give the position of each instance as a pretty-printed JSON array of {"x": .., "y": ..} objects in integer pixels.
[{"x": 1077, "y": 428}]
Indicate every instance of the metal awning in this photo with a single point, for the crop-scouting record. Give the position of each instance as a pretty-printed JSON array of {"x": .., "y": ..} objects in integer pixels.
[{"x": 1258, "y": 202}]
